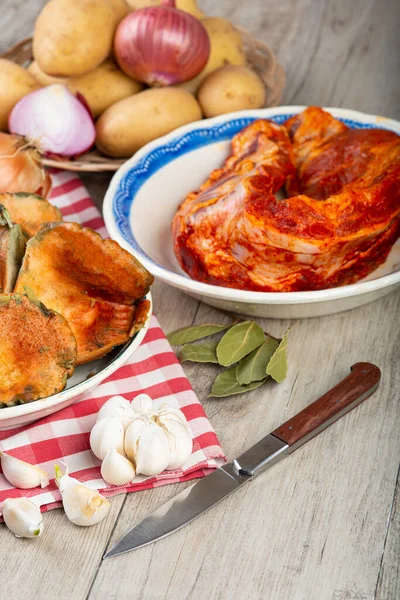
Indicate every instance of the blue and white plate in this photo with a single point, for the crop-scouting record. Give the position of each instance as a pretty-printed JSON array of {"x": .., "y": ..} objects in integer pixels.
[{"x": 146, "y": 191}]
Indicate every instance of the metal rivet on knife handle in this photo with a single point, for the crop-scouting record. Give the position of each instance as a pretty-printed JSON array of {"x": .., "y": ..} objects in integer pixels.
[{"x": 346, "y": 395}]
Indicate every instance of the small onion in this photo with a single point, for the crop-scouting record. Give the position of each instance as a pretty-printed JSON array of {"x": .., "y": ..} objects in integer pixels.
[
  {"x": 21, "y": 168},
  {"x": 56, "y": 120},
  {"x": 161, "y": 45}
]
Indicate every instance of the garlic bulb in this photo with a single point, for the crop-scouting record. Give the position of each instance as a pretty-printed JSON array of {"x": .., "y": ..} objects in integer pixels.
[
  {"x": 117, "y": 469},
  {"x": 83, "y": 506},
  {"x": 117, "y": 406},
  {"x": 22, "y": 474},
  {"x": 179, "y": 440},
  {"x": 23, "y": 517},
  {"x": 106, "y": 434},
  {"x": 142, "y": 405},
  {"x": 146, "y": 444},
  {"x": 170, "y": 412}
]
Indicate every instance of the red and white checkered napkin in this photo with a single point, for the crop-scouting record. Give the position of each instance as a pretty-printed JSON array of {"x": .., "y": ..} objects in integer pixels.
[{"x": 153, "y": 369}]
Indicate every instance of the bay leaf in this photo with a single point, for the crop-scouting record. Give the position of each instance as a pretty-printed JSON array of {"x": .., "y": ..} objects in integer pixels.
[
  {"x": 240, "y": 340},
  {"x": 253, "y": 366},
  {"x": 193, "y": 333},
  {"x": 277, "y": 366},
  {"x": 203, "y": 353},
  {"x": 226, "y": 384}
]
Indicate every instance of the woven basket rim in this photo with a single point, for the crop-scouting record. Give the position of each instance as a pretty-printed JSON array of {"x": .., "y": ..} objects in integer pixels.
[{"x": 259, "y": 56}]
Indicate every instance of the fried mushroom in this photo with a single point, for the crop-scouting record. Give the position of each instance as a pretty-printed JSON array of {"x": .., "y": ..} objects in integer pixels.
[{"x": 30, "y": 211}]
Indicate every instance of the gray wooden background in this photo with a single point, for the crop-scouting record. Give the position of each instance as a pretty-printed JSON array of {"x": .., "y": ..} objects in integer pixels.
[{"x": 323, "y": 524}]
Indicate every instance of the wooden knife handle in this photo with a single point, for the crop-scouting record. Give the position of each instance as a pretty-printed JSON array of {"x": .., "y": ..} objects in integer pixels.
[{"x": 346, "y": 395}]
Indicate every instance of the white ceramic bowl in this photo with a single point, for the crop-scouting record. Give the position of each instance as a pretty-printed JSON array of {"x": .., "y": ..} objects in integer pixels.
[
  {"x": 84, "y": 380},
  {"x": 146, "y": 191}
]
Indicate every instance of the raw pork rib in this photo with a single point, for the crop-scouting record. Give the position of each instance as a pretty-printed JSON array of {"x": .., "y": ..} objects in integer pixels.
[{"x": 337, "y": 224}]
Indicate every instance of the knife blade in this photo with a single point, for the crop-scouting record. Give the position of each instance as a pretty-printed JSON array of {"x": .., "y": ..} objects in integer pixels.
[{"x": 205, "y": 493}]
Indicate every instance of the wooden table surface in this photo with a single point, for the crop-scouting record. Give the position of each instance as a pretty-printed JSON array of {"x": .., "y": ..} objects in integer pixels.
[{"x": 323, "y": 524}]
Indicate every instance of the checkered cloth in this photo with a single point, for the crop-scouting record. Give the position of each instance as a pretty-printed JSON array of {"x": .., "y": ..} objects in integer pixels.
[{"x": 153, "y": 369}]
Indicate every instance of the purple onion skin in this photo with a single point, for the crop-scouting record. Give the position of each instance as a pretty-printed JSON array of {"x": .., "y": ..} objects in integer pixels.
[{"x": 161, "y": 45}]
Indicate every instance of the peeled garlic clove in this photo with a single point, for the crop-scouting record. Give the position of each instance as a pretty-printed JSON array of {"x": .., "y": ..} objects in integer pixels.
[
  {"x": 117, "y": 407},
  {"x": 170, "y": 412},
  {"x": 152, "y": 452},
  {"x": 106, "y": 434},
  {"x": 117, "y": 469},
  {"x": 23, "y": 517},
  {"x": 21, "y": 474},
  {"x": 142, "y": 405},
  {"x": 132, "y": 434},
  {"x": 179, "y": 440},
  {"x": 82, "y": 505}
]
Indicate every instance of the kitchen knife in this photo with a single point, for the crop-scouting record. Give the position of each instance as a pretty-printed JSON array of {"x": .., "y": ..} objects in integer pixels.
[{"x": 205, "y": 493}]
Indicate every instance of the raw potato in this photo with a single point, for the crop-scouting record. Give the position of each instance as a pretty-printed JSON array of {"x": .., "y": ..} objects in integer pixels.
[
  {"x": 15, "y": 83},
  {"x": 73, "y": 36},
  {"x": 104, "y": 86},
  {"x": 42, "y": 77},
  {"x": 229, "y": 89},
  {"x": 133, "y": 122},
  {"x": 226, "y": 49},
  {"x": 121, "y": 9},
  {"x": 189, "y": 6}
]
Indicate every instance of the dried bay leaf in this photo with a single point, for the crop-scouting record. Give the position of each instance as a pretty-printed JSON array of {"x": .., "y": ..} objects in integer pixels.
[
  {"x": 240, "y": 340},
  {"x": 203, "y": 353},
  {"x": 253, "y": 366},
  {"x": 277, "y": 366},
  {"x": 193, "y": 333},
  {"x": 226, "y": 384}
]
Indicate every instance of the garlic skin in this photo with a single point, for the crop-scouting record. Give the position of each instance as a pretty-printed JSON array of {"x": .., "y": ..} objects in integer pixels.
[
  {"x": 117, "y": 469},
  {"x": 147, "y": 445},
  {"x": 179, "y": 440},
  {"x": 142, "y": 405},
  {"x": 106, "y": 434},
  {"x": 83, "y": 506},
  {"x": 21, "y": 474},
  {"x": 22, "y": 517},
  {"x": 119, "y": 407}
]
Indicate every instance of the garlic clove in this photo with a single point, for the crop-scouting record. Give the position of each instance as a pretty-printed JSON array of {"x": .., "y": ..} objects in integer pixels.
[
  {"x": 117, "y": 406},
  {"x": 23, "y": 517},
  {"x": 142, "y": 405},
  {"x": 21, "y": 474},
  {"x": 132, "y": 434},
  {"x": 106, "y": 434},
  {"x": 170, "y": 412},
  {"x": 152, "y": 452},
  {"x": 179, "y": 440},
  {"x": 82, "y": 505},
  {"x": 117, "y": 469}
]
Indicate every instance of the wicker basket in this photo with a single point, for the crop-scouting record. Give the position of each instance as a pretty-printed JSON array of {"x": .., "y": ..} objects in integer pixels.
[{"x": 259, "y": 57}]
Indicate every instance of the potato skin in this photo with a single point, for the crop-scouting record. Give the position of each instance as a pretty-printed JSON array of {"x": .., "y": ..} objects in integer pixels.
[
  {"x": 121, "y": 9},
  {"x": 226, "y": 48},
  {"x": 15, "y": 83},
  {"x": 104, "y": 86},
  {"x": 42, "y": 77},
  {"x": 189, "y": 6},
  {"x": 133, "y": 122},
  {"x": 229, "y": 89},
  {"x": 73, "y": 36}
]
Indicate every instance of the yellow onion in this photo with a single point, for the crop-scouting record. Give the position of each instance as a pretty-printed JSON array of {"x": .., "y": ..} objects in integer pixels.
[
  {"x": 21, "y": 168},
  {"x": 161, "y": 45}
]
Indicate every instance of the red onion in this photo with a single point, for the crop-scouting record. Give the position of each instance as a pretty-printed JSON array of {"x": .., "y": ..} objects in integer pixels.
[
  {"x": 161, "y": 45},
  {"x": 56, "y": 120}
]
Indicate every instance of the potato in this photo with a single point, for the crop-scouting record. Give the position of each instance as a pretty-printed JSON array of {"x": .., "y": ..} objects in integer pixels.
[
  {"x": 73, "y": 36},
  {"x": 15, "y": 83},
  {"x": 231, "y": 88},
  {"x": 104, "y": 86},
  {"x": 121, "y": 9},
  {"x": 189, "y": 6},
  {"x": 226, "y": 48},
  {"x": 42, "y": 77},
  {"x": 133, "y": 122}
]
